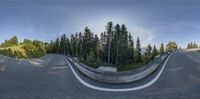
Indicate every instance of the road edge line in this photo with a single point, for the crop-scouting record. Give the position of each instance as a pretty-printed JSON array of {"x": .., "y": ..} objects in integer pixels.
[{"x": 123, "y": 89}]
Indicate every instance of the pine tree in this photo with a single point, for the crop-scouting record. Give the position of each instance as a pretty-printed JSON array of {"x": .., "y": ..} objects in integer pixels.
[
  {"x": 154, "y": 53},
  {"x": 103, "y": 46},
  {"x": 87, "y": 42},
  {"x": 95, "y": 46},
  {"x": 109, "y": 31},
  {"x": 63, "y": 44},
  {"x": 115, "y": 46},
  {"x": 73, "y": 45},
  {"x": 68, "y": 44},
  {"x": 57, "y": 45},
  {"x": 80, "y": 45},
  {"x": 130, "y": 49},
  {"x": 148, "y": 52},
  {"x": 15, "y": 40},
  {"x": 116, "y": 37},
  {"x": 138, "y": 51},
  {"x": 162, "y": 49},
  {"x": 124, "y": 42}
]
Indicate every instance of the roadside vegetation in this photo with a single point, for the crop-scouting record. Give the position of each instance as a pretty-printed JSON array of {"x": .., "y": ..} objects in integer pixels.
[
  {"x": 192, "y": 45},
  {"x": 114, "y": 47},
  {"x": 26, "y": 49}
]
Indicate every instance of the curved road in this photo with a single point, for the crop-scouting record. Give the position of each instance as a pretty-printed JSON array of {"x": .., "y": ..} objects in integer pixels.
[{"x": 50, "y": 77}]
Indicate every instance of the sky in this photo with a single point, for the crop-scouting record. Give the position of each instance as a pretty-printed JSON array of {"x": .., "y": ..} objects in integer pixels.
[{"x": 154, "y": 21}]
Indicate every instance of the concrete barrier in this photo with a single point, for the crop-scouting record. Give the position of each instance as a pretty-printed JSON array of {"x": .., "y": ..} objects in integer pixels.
[{"x": 120, "y": 77}]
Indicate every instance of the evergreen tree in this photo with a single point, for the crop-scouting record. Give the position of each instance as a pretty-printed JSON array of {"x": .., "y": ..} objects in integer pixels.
[
  {"x": 95, "y": 46},
  {"x": 192, "y": 45},
  {"x": 64, "y": 44},
  {"x": 154, "y": 53},
  {"x": 15, "y": 40},
  {"x": 103, "y": 46},
  {"x": 57, "y": 45},
  {"x": 73, "y": 45},
  {"x": 115, "y": 46},
  {"x": 87, "y": 42},
  {"x": 130, "y": 50},
  {"x": 69, "y": 52},
  {"x": 117, "y": 38},
  {"x": 109, "y": 31},
  {"x": 27, "y": 41},
  {"x": 124, "y": 42},
  {"x": 138, "y": 51},
  {"x": 162, "y": 49},
  {"x": 189, "y": 46},
  {"x": 80, "y": 45},
  {"x": 148, "y": 52}
]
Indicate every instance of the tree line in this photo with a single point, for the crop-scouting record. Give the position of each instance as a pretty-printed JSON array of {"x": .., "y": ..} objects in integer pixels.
[
  {"x": 10, "y": 42},
  {"x": 192, "y": 45},
  {"x": 115, "y": 46},
  {"x": 33, "y": 49}
]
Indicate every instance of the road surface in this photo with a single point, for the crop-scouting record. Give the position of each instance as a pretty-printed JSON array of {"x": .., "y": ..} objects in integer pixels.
[{"x": 51, "y": 77}]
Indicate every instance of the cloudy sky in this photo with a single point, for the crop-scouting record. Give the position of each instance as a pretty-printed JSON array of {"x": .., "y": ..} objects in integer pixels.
[{"x": 154, "y": 21}]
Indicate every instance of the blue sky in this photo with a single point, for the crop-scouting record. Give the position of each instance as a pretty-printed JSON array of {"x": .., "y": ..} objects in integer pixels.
[{"x": 154, "y": 21}]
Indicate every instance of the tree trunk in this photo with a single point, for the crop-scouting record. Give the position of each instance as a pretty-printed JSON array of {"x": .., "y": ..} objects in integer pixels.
[
  {"x": 116, "y": 61},
  {"x": 109, "y": 51}
]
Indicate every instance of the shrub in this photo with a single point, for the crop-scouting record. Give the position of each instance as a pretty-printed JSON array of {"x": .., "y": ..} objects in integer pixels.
[
  {"x": 32, "y": 51},
  {"x": 90, "y": 60}
]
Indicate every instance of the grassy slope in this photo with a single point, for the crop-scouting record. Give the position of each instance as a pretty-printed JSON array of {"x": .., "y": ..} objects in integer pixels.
[
  {"x": 129, "y": 67},
  {"x": 17, "y": 48}
]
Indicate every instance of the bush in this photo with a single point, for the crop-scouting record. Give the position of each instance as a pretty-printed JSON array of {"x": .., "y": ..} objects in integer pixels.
[
  {"x": 7, "y": 52},
  {"x": 18, "y": 54},
  {"x": 32, "y": 51},
  {"x": 90, "y": 60},
  {"x": 129, "y": 67}
]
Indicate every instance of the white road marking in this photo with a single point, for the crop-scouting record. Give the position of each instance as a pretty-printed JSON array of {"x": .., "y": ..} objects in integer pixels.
[
  {"x": 198, "y": 61},
  {"x": 119, "y": 90},
  {"x": 63, "y": 67},
  {"x": 49, "y": 60},
  {"x": 2, "y": 59}
]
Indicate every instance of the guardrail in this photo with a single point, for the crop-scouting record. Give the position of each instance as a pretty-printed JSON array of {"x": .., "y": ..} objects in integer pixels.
[{"x": 120, "y": 77}]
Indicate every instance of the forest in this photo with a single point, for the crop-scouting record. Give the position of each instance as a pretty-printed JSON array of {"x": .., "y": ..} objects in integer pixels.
[{"x": 114, "y": 47}]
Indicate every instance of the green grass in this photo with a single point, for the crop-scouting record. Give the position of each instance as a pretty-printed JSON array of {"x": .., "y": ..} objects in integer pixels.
[
  {"x": 17, "y": 48},
  {"x": 129, "y": 67},
  {"x": 96, "y": 64},
  {"x": 22, "y": 51},
  {"x": 119, "y": 68}
]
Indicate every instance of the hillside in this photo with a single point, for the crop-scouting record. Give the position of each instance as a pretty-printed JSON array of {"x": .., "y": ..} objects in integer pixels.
[
  {"x": 26, "y": 49},
  {"x": 16, "y": 48}
]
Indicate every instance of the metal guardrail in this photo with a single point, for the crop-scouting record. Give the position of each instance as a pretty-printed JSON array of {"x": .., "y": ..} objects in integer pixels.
[{"x": 120, "y": 77}]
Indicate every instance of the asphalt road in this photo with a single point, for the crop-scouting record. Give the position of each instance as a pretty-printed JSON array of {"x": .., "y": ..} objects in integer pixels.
[{"x": 50, "y": 77}]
